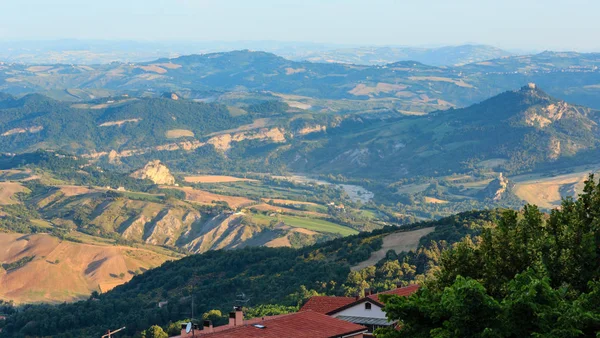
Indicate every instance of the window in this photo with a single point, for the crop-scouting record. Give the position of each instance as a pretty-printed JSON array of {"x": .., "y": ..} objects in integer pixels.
[{"x": 367, "y": 306}]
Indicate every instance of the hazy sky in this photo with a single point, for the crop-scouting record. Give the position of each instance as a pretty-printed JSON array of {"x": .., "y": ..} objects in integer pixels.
[{"x": 521, "y": 24}]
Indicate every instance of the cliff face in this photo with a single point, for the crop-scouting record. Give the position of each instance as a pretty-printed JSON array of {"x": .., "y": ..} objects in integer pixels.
[{"x": 156, "y": 172}]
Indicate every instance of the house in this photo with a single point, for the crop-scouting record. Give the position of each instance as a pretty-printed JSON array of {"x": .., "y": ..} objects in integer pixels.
[
  {"x": 300, "y": 324},
  {"x": 366, "y": 311}
]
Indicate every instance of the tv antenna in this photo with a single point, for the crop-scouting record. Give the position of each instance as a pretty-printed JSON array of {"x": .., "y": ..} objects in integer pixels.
[
  {"x": 110, "y": 333},
  {"x": 241, "y": 299}
]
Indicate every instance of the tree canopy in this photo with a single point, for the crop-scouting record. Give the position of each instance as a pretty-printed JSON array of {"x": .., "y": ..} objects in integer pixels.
[{"x": 531, "y": 275}]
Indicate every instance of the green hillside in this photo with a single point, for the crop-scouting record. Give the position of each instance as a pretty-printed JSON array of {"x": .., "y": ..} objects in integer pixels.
[
  {"x": 264, "y": 275},
  {"x": 524, "y": 129}
]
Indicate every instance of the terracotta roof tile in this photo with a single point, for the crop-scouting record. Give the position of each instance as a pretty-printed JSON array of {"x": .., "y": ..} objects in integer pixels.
[
  {"x": 299, "y": 324},
  {"x": 326, "y": 304},
  {"x": 404, "y": 291}
]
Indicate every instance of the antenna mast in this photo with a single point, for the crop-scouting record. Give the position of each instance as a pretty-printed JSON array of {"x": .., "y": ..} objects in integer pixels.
[
  {"x": 192, "y": 320},
  {"x": 241, "y": 300}
]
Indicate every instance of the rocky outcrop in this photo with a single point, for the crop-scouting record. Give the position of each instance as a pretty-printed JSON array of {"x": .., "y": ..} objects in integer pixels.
[
  {"x": 224, "y": 231},
  {"x": 168, "y": 227},
  {"x": 134, "y": 229},
  {"x": 496, "y": 189},
  {"x": 156, "y": 172},
  {"x": 32, "y": 130},
  {"x": 312, "y": 129},
  {"x": 554, "y": 149},
  {"x": 223, "y": 142}
]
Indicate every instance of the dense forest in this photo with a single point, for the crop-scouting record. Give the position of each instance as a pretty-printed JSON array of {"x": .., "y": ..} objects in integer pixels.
[{"x": 532, "y": 275}]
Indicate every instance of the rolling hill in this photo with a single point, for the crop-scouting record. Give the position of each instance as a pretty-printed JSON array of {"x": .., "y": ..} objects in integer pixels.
[
  {"x": 57, "y": 270},
  {"x": 443, "y": 56},
  {"x": 520, "y": 130},
  {"x": 91, "y": 52},
  {"x": 68, "y": 229},
  {"x": 266, "y": 275},
  {"x": 404, "y": 85},
  {"x": 523, "y": 128}
]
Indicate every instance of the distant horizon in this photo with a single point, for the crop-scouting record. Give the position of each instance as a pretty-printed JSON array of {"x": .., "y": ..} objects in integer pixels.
[
  {"x": 284, "y": 43},
  {"x": 509, "y": 24},
  {"x": 287, "y": 43}
]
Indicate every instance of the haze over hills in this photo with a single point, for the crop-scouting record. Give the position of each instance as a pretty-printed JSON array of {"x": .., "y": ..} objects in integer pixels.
[
  {"x": 98, "y": 51},
  {"x": 406, "y": 86},
  {"x": 441, "y": 56}
]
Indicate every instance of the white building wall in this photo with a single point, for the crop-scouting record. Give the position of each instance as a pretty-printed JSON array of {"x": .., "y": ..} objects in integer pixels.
[{"x": 359, "y": 311}]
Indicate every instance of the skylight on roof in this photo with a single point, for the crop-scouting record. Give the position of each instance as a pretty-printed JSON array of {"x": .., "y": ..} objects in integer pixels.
[{"x": 258, "y": 326}]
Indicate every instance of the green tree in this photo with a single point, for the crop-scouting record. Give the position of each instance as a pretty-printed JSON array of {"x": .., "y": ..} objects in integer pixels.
[
  {"x": 212, "y": 315},
  {"x": 531, "y": 275},
  {"x": 155, "y": 331}
]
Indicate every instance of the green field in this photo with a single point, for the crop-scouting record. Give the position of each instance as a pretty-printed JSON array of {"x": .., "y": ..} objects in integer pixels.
[
  {"x": 313, "y": 224},
  {"x": 142, "y": 196}
]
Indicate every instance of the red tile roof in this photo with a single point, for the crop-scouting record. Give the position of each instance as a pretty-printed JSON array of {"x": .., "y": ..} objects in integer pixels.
[
  {"x": 326, "y": 304},
  {"x": 299, "y": 324},
  {"x": 404, "y": 291},
  {"x": 330, "y": 305}
]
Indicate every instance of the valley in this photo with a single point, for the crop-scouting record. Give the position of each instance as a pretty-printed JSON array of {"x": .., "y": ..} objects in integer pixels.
[{"x": 161, "y": 181}]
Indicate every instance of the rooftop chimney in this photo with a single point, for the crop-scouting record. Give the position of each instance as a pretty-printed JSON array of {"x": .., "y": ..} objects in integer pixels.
[
  {"x": 236, "y": 318},
  {"x": 232, "y": 319},
  {"x": 239, "y": 315},
  {"x": 208, "y": 326},
  {"x": 367, "y": 292}
]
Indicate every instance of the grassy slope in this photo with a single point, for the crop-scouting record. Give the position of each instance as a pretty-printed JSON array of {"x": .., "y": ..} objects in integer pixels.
[{"x": 314, "y": 224}]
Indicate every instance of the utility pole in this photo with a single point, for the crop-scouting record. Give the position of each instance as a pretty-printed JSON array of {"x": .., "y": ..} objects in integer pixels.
[
  {"x": 192, "y": 320},
  {"x": 110, "y": 333}
]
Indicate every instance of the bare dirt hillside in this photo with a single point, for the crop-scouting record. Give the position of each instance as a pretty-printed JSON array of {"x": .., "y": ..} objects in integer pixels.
[
  {"x": 547, "y": 192},
  {"x": 8, "y": 190},
  {"x": 398, "y": 241},
  {"x": 66, "y": 271}
]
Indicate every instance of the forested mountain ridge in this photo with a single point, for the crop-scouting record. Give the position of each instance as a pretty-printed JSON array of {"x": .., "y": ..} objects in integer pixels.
[{"x": 521, "y": 130}]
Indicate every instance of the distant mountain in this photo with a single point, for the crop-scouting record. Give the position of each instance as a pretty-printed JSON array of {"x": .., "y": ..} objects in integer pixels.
[
  {"x": 408, "y": 86},
  {"x": 443, "y": 56},
  {"x": 91, "y": 52}
]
